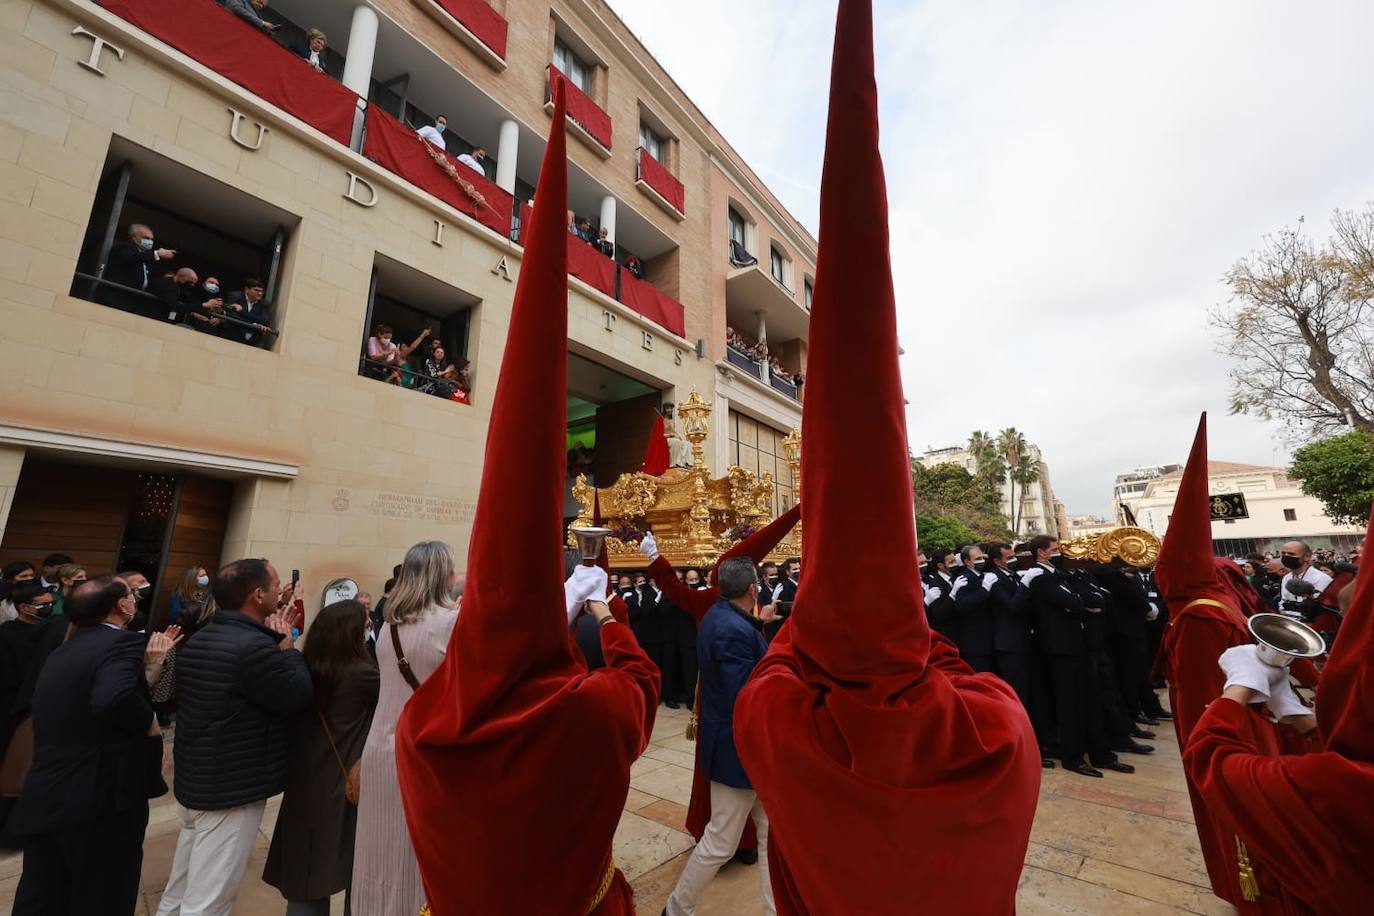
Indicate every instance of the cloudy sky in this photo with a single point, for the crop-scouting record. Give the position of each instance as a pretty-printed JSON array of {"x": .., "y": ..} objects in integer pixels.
[{"x": 1068, "y": 181}]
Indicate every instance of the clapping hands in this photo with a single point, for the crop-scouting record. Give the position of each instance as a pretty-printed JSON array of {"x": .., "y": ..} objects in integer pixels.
[{"x": 159, "y": 644}]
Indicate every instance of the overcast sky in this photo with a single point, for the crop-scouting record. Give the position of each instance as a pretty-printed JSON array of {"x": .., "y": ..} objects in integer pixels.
[{"x": 1068, "y": 181}]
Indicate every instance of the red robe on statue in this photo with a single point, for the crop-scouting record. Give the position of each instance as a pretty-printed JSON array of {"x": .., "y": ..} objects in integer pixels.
[
  {"x": 1205, "y": 621},
  {"x": 514, "y": 761},
  {"x": 1310, "y": 819},
  {"x": 894, "y": 778},
  {"x": 696, "y": 602}
]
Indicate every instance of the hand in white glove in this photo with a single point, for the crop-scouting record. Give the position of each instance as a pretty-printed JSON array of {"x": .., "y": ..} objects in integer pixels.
[
  {"x": 1284, "y": 702},
  {"x": 586, "y": 583},
  {"x": 1154, "y": 613},
  {"x": 1244, "y": 669},
  {"x": 648, "y": 546},
  {"x": 934, "y": 594}
]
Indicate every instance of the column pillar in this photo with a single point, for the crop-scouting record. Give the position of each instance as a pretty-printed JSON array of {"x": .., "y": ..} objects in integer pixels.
[
  {"x": 357, "y": 74},
  {"x": 507, "y": 152},
  {"x": 762, "y": 336},
  {"x": 608, "y": 216}
]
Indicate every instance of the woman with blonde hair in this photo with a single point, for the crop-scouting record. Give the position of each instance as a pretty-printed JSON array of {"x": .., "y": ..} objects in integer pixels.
[
  {"x": 69, "y": 576},
  {"x": 420, "y": 614},
  {"x": 189, "y": 597}
]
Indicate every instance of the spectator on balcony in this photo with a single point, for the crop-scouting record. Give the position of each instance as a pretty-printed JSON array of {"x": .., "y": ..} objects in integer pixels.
[
  {"x": 474, "y": 159},
  {"x": 434, "y": 134},
  {"x": 445, "y": 379},
  {"x": 131, "y": 264},
  {"x": 382, "y": 349},
  {"x": 179, "y": 292},
  {"x": 604, "y": 244},
  {"x": 248, "y": 306},
  {"x": 249, "y": 10},
  {"x": 206, "y": 318},
  {"x": 584, "y": 231},
  {"x": 635, "y": 266},
  {"x": 572, "y": 224},
  {"x": 312, "y": 52}
]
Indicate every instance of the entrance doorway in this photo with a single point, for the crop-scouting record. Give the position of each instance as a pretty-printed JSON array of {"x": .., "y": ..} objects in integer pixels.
[
  {"x": 610, "y": 417},
  {"x": 115, "y": 519}
]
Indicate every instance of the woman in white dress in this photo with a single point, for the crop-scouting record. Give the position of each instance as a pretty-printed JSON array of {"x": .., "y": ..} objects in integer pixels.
[{"x": 422, "y": 610}]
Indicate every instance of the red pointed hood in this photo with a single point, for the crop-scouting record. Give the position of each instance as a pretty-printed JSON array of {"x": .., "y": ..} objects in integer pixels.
[
  {"x": 853, "y": 622},
  {"x": 656, "y": 453},
  {"x": 1185, "y": 570},
  {"x": 513, "y": 627},
  {"x": 1345, "y": 699},
  {"x": 761, "y": 543}
]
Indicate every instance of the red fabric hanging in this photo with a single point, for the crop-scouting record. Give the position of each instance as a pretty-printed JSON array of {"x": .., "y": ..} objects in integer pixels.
[
  {"x": 245, "y": 55},
  {"x": 589, "y": 265},
  {"x": 661, "y": 180},
  {"x": 481, "y": 20},
  {"x": 648, "y": 300},
  {"x": 511, "y": 747},
  {"x": 656, "y": 454},
  {"x": 397, "y": 149},
  {"x": 585, "y": 112}
]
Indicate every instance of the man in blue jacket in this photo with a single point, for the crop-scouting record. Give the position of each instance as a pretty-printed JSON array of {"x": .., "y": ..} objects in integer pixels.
[{"x": 729, "y": 645}]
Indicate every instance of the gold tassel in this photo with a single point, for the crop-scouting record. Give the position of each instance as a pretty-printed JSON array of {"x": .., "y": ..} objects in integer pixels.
[
  {"x": 1249, "y": 887},
  {"x": 695, "y": 718}
]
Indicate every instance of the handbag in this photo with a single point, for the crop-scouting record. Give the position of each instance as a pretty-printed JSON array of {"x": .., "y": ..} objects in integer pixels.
[
  {"x": 18, "y": 759},
  {"x": 353, "y": 777},
  {"x": 165, "y": 687}
]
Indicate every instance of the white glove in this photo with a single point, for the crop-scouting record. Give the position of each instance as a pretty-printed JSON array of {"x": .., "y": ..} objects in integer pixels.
[
  {"x": 1154, "y": 613},
  {"x": 934, "y": 594},
  {"x": 1283, "y": 701},
  {"x": 648, "y": 546},
  {"x": 958, "y": 584},
  {"x": 1244, "y": 669},
  {"x": 586, "y": 583}
]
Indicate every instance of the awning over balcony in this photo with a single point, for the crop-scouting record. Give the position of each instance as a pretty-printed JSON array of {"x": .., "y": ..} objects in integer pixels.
[
  {"x": 234, "y": 49},
  {"x": 662, "y": 181},
  {"x": 397, "y": 149},
  {"x": 585, "y": 112},
  {"x": 649, "y": 301},
  {"x": 475, "y": 16}
]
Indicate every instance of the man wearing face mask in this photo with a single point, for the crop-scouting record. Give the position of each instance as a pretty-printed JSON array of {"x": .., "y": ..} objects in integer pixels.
[
  {"x": 972, "y": 604},
  {"x": 434, "y": 134},
  {"x": 1009, "y": 605},
  {"x": 180, "y": 294},
  {"x": 1296, "y": 558},
  {"x": 939, "y": 594},
  {"x": 141, "y": 589},
  {"x": 211, "y": 301},
  {"x": 19, "y": 648},
  {"x": 132, "y": 264}
]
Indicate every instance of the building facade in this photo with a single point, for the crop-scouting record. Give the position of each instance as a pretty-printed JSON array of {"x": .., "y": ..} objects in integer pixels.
[
  {"x": 1040, "y": 511},
  {"x": 1130, "y": 488},
  {"x": 138, "y": 430},
  {"x": 1278, "y": 510}
]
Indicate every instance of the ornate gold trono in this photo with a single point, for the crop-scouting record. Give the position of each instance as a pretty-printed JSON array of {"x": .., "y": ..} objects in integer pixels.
[
  {"x": 693, "y": 517},
  {"x": 1134, "y": 546}
]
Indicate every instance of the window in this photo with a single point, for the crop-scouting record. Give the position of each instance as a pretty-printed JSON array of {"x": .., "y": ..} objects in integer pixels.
[
  {"x": 757, "y": 448},
  {"x": 651, "y": 141},
  {"x": 777, "y": 265},
  {"x": 737, "y": 228},
  {"x": 573, "y": 67},
  {"x": 1290, "y": 515},
  {"x": 807, "y": 292}
]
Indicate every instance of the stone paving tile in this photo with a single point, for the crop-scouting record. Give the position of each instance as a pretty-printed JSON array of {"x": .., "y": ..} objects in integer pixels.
[
  {"x": 637, "y": 799},
  {"x": 642, "y": 844},
  {"x": 668, "y": 781},
  {"x": 1185, "y": 897},
  {"x": 668, "y": 813},
  {"x": 1046, "y": 893}
]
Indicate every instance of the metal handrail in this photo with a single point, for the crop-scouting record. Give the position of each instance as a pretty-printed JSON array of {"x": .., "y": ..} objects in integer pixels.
[
  {"x": 144, "y": 294},
  {"x": 367, "y": 360}
]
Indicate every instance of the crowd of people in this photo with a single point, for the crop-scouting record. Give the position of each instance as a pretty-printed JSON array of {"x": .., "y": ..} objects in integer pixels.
[
  {"x": 143, "y": 278},
  {"x": 760, "y": 353},
  {"x": 431, "y": 371},
  {"x": 580, "y": 227}
]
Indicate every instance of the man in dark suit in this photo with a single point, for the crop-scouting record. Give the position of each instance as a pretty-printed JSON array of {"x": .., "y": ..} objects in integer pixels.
[
  {"x": 97, "y": 759},
  {"x": 784, "y": 593},
  {"x": 133, "y": 263},
  {"x": 938, "y": 587},
  {"x": 974, "y": 609},
  {"x": 1128, "y": 626},
  {"x": 729, "y": 645},
  {"x": 248, "y": 306}
]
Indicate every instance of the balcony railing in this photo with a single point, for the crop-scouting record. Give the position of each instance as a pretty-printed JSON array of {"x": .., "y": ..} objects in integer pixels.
[
  {"x": 472, "y": 21},
  {"x": 585, "y": 113},
  {"x": 231, "y": 47},
  {"x": 659, "y": 183},
  {"x": 744, "y": 361},
  {"x": 786, "y": 388}
]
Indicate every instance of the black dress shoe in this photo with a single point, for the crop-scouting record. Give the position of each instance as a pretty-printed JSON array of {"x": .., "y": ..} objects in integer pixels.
[
  {"x": 1133, "y": 747},
  {"x": 1146, "y": 719},
  {"x": 672, "y": 704},
  {"x": 1163, "y": 714},
  {"x": 1116, "y": 766},
  {"x": 746, "y": 856},
  {"x": 1047, "y": 763},
  {"x": 1143, "y": 733},
  {"x": 1082, "y": 769}
]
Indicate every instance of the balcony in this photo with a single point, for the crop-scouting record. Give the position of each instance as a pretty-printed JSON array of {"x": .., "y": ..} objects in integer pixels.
[
  {"x": 585, "y": 117},
  {"x": 744, "y": 362},
  {"x": 760, "y": 363},
  {"x": 661, "y": 185},
  {"x": 750, "y": 291},
  {"x": 474, "y": 23}
]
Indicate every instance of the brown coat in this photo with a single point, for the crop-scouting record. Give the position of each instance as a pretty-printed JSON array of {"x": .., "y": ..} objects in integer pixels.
[{"x": 311, "y": 856}]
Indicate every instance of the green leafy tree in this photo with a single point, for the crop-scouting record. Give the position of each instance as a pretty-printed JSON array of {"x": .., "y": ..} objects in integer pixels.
[
  {"x": 950, "y": 492},
  {"x": 940, "y": 531},
  {"x": 1340, "y": 472}
]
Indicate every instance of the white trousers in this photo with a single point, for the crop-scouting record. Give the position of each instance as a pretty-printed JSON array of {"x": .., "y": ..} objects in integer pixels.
[
  {"x": 730, "y": 808},
  {"x": 212, "y": 853}
]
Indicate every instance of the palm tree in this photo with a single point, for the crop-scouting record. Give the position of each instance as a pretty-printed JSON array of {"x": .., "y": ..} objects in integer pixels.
[
  {"x": 1027, "y": 472},
  {"x": 988, "y": 464},
  {"x": 1011, "y": 448}
]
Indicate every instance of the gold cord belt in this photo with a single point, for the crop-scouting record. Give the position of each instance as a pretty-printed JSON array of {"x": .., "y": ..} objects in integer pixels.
[{"x": 606, "y": 881}]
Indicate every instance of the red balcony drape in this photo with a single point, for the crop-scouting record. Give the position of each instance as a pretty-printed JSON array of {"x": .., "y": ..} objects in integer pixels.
[
  {"x": 240, "y": 53},
  {"x": 397, "y": 149},
  {"x": 585, "y": 112},
  {"x": 591, "y": 266},
  {"x": 649, "y": 301},
  {"x": 652, "y": 172},
  {"x": 480, "y": 19}
]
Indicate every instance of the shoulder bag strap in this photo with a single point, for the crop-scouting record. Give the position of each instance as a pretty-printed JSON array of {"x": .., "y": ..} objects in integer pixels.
[
  {"x": 332, "y": 746},
  {"x": 401, "y": 661}
]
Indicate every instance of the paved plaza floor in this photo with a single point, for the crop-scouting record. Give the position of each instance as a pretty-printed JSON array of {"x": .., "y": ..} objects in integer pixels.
[{"x": 1124, "y": 844}]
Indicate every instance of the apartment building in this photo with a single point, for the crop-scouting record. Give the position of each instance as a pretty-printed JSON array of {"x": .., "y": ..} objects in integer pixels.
[
  {"x": 139, "y": 432},
  {"x": 1039, "y": 511}
]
